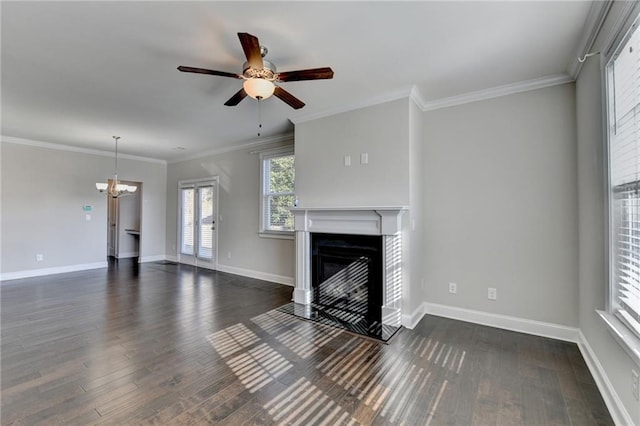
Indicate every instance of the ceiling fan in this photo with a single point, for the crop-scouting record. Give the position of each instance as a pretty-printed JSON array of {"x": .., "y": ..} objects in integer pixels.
[{"x": 260, "y": 75}]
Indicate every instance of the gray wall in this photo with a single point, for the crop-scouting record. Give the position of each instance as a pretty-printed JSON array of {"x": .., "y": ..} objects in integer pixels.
[
  {"x": 43, "y": 193},
  {"x": 239, "y": 211},
  {"x": 382, "y": 131},
  {"x": 591, "y": 227},
  {"x": 500, "y": 205}
]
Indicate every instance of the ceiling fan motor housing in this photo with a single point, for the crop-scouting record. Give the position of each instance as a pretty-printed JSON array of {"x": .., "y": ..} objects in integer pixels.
[{"x": 268, "y": 71}]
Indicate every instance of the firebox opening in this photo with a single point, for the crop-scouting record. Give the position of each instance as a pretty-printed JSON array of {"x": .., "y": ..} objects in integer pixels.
[{"x": 346, "y": 279}]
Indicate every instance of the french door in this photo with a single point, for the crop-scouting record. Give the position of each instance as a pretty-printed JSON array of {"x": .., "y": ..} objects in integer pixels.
[{"x": 198, "y": 236}]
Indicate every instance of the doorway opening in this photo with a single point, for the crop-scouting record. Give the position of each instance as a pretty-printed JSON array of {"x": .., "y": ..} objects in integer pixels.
[{"x": 124, "y": 224}]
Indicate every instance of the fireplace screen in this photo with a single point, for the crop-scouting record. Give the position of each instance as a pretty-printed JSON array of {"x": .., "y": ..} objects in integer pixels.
[{"x": 347, "y": 278}]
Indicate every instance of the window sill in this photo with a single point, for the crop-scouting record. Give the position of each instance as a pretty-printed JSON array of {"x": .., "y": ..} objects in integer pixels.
[
  {"x": 625, "y": 338},
  {"x": 282, "y": 235}
]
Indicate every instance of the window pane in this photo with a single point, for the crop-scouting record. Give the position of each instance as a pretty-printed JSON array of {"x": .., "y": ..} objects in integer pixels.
[
  {"x": 278, "y": 192},
  {"x": 624, "y": 169},
  {"x": 187, "y": 225},
  {"x": 627, "y": 248},
  {"x": 280, "y": 217},
  {"x": 281, "y": 174}
]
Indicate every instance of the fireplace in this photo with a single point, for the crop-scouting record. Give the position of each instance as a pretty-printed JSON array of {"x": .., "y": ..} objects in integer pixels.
[
  {"x": 349, "y": 268},
  {"x": 346, "y": 277}
]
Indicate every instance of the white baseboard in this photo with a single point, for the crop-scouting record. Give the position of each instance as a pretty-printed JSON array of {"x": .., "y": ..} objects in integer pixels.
[
  {"x": 411, "y": 320},
  {"x": 127, "y": 255},
  {"x": 280, "y": 279},
  {"x": 522, "y": 325},
  {"x": 156, "y": 258},
  {"x": 50, "y": 271},
  {"x": 614, "y": 404}
]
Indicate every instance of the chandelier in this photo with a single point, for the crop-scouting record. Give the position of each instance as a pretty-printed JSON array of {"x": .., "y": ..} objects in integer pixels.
[{"x": 114, "y": 188}]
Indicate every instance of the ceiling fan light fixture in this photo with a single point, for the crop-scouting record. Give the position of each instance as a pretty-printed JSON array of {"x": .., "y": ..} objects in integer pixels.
[{"x": 258, "y": 88}]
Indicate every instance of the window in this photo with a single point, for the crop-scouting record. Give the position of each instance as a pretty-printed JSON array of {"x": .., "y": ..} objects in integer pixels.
[
  {"x": 277, "y": 183},
  {"x": 623, "y": 98}
]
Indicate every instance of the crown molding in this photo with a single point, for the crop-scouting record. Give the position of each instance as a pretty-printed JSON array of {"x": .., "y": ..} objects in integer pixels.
[
  {"x": 617, "y": 31},
  {"x": 496, "y": 92},
  {"x": 287, "y": 137},
  {"x": 595, "y": 19},
  {"x": 69, "y": 148},
  {"x": 381, "y": 98},
  {"x": 414, "y": 94}
]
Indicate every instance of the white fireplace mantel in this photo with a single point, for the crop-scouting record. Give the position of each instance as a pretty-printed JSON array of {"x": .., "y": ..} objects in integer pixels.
[
  {"x": 382, "y": 221},
  {"x": 350, "y": 220}
]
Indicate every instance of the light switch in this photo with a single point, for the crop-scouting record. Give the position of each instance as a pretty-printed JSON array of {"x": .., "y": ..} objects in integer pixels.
[
  {"x": 347, "y": 160},
  {"x": 87, "y": 217},
  {"x": 364, "y": 158}
]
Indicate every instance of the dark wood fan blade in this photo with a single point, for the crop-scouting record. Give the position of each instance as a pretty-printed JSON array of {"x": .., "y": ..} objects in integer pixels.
[
  {"x": 288, "y": 98},
  {"x": 251, "y": 47},
  {"x": 205, "y": 71},
  {"x": 310, "y": 74},
  {"x": 235, "y": 99}
]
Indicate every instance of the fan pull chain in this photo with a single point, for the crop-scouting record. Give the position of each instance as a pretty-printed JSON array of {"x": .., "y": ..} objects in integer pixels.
[{"x": 259, "y": 117}]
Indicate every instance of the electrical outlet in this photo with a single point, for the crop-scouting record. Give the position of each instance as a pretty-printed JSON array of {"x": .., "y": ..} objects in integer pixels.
[
  {"x": 635, "y": 384},
  {"x": 229, "y": 255},
  {"x": 492, "y": 293},
  {"x": 453, "y": 288},
  {"x": 39, "y": 257}
]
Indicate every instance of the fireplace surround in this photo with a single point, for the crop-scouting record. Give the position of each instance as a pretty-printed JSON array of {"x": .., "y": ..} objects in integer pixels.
[{"x": 336, "y": 228}]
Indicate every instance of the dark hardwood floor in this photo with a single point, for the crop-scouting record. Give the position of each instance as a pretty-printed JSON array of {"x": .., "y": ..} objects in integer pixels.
[{"x": 169, "y": 344}]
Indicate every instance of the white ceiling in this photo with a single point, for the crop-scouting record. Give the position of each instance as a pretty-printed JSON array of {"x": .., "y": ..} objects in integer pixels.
[{"x": 76, "y": 73}]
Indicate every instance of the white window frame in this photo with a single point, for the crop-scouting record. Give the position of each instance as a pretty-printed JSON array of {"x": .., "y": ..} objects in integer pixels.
[
  {"x": 266, "y": 155},
  {"x": 621, "y": 331}
]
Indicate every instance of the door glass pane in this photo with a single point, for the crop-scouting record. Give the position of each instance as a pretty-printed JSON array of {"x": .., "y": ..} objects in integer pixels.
[
  {"x": 206, "y": 220},
  {"x": 187, "y": 225}
]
